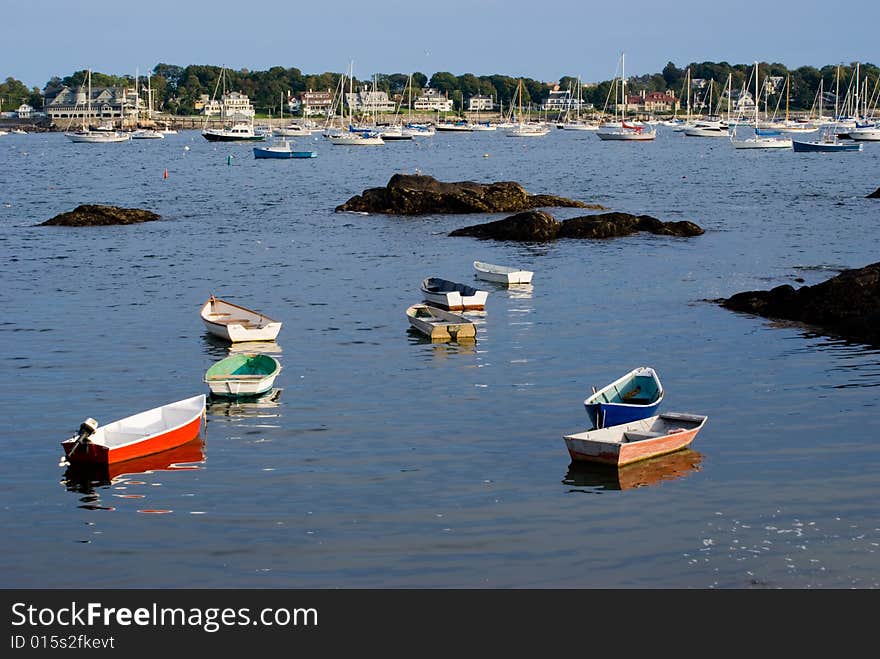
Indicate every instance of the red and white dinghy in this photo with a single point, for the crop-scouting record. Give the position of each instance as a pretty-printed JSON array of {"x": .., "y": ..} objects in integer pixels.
[
  {"x": 145, "y": 433},
  {"x": 638, "y": 440}
]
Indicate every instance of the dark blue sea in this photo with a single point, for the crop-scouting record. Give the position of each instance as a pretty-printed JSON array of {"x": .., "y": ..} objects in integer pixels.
[{"x": 385, "y": 461}]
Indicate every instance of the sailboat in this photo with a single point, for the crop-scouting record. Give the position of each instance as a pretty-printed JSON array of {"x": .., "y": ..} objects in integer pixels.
[
  {"x": 625, "y": 132},
  {"x": 577, "y": 123},
  {"x": 709, "y": 127},
  {"x": 790, "y": 125},
  {"x": 86, "y": 133},
  {"x": 523, "y": 128},
  {"x": 352, "y": 136},
  {"x": 758, "y": 141}
]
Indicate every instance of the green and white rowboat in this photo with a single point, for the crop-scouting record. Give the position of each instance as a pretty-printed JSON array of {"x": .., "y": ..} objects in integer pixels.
[{"x": 243, "y": 375}]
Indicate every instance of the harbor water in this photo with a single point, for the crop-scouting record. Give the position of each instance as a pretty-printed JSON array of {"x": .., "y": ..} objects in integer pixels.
[{"x": 382, "y": 460}]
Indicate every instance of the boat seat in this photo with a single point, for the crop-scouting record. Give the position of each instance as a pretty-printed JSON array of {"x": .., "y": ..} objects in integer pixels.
[
  {"x": 238, "y": 321},
  {"x": 634, "y": 436}
]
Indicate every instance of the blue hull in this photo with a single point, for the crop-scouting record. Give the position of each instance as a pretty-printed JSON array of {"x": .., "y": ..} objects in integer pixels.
[
  {"x": 819, "y": 146},
  {"x": 286, "y": 155},
  {"x": 604, "y": 415}
]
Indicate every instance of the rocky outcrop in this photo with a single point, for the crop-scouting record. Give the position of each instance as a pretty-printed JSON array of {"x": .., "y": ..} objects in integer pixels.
[
  {"x": 540, "y": 226},
  {"x": 875, "y": 194},
  {"x": 416, "y": 194},
  {"x": 847, "y": 305},
  {"x": 96, "y": 215}
]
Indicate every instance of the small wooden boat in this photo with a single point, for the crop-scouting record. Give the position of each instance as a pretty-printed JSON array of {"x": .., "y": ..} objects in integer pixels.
[
  {"x": 243, "y": 375},
  {"x": 439, "y": 324},
  {"x": 634, "y": 396},
  {"x": 452, "y": 295},
  {"x": 235, "y": 323},
  {"x": 145, "y": 433},
  {"x": 502, "y": 273},
  {"x": 638, "y": 440}
]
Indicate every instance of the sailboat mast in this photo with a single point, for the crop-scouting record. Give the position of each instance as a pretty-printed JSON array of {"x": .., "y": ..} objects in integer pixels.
[
  {"x": 837, "y": 96},
  {"x": 787, "y": 94},
  {"x": 623, "y": 87},
  {"x": 729, "y": 93},
  {"x": 756, "y": 100}
]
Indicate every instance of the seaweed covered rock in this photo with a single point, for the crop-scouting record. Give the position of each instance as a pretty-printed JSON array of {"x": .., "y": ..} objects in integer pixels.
[
  {"x": 847, "y": 305},
  {"x": 613, "y": 225},
  {"x": 528, "y": 226},
  {"x": 97, "y": 215},
  {"x": 417, "y": 194},
  {"x": 541, "y": 226}
]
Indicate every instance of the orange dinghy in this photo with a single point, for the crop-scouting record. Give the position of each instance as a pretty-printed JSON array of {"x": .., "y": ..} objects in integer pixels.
[
  {"x": 145, "y": 433},
  {"x": 638, "y": 440}
]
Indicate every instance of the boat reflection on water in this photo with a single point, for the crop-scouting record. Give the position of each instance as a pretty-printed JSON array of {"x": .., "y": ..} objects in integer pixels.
[
  {"x": 520, "y": 291},
  {"x": 258, "y": 406},
  {"x": 85, "y": 478},
  {"x": 219, "y": 348},
  {"x": 442, "y": 348},
  {"x": 265, "y": 347},
  {"x": 638, "y": 474}
]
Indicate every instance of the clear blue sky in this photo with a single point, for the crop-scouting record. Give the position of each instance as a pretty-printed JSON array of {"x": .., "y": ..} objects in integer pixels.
[{"x": 42, "y": 38}]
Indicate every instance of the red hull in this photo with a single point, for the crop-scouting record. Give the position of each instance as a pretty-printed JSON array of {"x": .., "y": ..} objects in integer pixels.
[
  {"x": 90, "y": 453},
  {"x": 628, "y": 453}
]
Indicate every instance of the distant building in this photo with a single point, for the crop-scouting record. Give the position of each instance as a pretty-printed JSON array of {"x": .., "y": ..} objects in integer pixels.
[
  {"x": 232, "y": 105},
  {"x": 317, "y": 103},
  {"x": 25, "y": 111},
  {"x": 742, "y": 101},
  {"x": 480, "y": 103},
  {"x": 293, "y": 104},
  {"x": 559, "y": 100},
  {"x": 431, "y": 99},
  {"x": 366, "y": 100},
  {"x": 652, "y": 102},
  {"x": 106, "y": 103}
]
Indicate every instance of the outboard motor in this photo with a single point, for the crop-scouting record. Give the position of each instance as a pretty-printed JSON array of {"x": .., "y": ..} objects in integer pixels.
[{"x": 86, "y": 430}]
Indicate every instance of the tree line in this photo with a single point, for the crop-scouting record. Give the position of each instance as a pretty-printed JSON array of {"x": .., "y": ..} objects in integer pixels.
[{"x": 177, "y": 89}]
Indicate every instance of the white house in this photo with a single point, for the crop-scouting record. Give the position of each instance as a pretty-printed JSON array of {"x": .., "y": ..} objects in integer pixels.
[
  {"x": 366, "y": 100},
  {"x": 433, "y": 100},
  {"x": 25, "y": 111},
  {"x": 233, "y": 105},
  {"x": 480, "y": 103}
]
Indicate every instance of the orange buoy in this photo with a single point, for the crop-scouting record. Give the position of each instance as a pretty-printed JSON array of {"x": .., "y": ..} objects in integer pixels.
[{"x": 165, "y": 175}]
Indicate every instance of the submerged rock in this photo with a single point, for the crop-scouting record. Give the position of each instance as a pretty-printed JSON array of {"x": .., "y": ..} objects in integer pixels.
[
  {"x": 537, "y": 226},
  {"x": 614, "y": 225},
  {"x": 540, "y": 226},
  {"x": 416, "y": 194},
  {"x": 96, "y": 215},
  {"x": 875, "y": 194},
  {"x": 847, "y": 305}
]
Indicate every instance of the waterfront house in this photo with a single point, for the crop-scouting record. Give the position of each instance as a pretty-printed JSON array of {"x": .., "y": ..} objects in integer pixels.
[
  {"x": 432, "y": 99},
  {"x": 317, "y": 103},
  {"x": 480, "y": 103},
  {"x": 106, "y": 103},
  {"x": 366, "y": 100}
]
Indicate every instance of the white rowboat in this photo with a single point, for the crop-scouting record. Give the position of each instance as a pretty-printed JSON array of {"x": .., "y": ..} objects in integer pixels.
[
  {"x": 502, "y": 274},
  {"x": 235, "y": 323}
]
